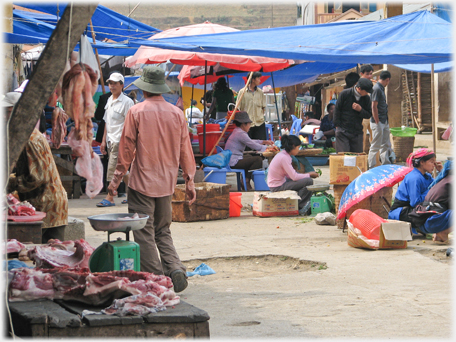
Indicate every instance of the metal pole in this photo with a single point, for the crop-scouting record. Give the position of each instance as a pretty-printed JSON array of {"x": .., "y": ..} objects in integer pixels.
[
  {"x": 98, "y": 60},
  {"x": 191, "y": 108},
  {"x": 434, "y": 133},
  {"x": 204, "y": 113},
  {"x": 277, "y": 107}
]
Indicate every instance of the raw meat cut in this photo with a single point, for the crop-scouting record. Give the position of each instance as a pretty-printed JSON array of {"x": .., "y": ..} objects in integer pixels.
[
  {"x": 12, "y": 246},
  {"x": 16, "y": 208},
  {"x": 30, "y": 284},
  {"x": 46, "y": 256},
  {"x": 59, "y": 129},
  {"x": 78, "y": 87},
  {"x": 101, "y": 288},
  {"x": 142, "y": 304}
]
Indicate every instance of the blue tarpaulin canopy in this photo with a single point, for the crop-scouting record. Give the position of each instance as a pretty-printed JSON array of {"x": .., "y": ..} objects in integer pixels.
[
  {"x": 36, "y": 28},
  {"x": 415, "y": 38},
  {"x": 106, "y": 22}
]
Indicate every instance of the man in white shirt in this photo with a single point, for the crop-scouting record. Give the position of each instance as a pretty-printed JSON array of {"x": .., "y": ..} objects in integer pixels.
[{"x": 116, "y": 110}]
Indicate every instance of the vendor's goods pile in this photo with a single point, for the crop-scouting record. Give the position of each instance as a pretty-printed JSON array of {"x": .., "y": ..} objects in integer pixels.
[
  {"x": 78, "y": 86},
  {"x": 64, "y": 274}
]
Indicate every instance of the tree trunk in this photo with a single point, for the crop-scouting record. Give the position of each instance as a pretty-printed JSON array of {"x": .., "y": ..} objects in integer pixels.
[{"x": 45, "y": 77}]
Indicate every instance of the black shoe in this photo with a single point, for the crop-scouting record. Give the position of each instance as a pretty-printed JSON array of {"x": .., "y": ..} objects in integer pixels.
[{"x": 179, "y": 280}]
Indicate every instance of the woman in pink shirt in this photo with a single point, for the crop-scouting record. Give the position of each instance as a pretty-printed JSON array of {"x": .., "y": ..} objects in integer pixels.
[{"x": 282, "y": 176}]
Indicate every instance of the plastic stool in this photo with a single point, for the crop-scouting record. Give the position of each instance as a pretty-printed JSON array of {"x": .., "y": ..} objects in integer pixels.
[{"x": 269, "y": 135}]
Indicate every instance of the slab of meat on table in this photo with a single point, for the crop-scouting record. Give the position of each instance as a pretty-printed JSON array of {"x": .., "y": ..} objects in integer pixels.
[
  {"x": 97, "y": 289},
  {"x": 49, "y": 256},
  {"x": 140, "y": 305},
  {"x": 12, "y": 246},
  {"x": 29, "y": 284},
  {"x": 78, "y": 86}
]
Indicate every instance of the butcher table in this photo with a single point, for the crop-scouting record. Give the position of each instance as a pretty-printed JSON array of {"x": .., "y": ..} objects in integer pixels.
[{"x": 58, "y": 319}]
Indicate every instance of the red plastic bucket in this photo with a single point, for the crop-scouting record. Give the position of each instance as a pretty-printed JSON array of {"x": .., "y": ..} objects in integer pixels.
[
  {"x": 235, "y": 204},
  {"x": 209, "y": 128},
  {"x": 211, "y": 140}
]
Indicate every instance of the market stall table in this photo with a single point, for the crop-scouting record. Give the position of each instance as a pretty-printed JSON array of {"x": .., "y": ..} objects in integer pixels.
[
  {"x": 59, "y": 319},
  {"x": 308, "y": 152}
]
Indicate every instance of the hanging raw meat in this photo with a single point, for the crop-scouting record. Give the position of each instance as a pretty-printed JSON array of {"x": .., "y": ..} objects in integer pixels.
[
  {"x": 78, "y": 86},
  {"x": 59, "y": 129}
]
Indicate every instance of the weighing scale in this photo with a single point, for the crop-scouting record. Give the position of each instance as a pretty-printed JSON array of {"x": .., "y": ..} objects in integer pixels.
[
  {"x": 320, "y": 201},
  {"x": 118, "y": 255}
]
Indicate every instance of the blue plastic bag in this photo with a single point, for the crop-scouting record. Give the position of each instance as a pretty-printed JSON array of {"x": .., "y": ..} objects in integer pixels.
[
  {"x": 202, "y": 269},
  {"x": 219, "y": 160}
]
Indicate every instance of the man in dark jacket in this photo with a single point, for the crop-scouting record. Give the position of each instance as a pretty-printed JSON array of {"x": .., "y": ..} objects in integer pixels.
[{"x": 352, "y": 106}]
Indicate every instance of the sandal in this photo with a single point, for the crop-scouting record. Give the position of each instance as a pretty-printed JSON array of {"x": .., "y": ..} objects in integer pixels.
[
  {"x": 105, "y": 203},
  {"x": 124, "y": 201}
]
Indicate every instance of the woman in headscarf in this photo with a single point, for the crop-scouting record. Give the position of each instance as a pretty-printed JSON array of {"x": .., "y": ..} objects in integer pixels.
[
  {"x": 415, "y": 186},
  {"x": 434, "y": 215}
]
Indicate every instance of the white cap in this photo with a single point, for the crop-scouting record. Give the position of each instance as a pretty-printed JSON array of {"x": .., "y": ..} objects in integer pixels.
[
  {"x": 21, "y": 87},
  {"x": 10, "y": 99},
  {"x": 116, "y": 77}
]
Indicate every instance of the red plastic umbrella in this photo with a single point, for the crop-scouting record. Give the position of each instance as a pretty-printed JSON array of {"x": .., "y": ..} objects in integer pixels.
[
  {"x": 152, "y": 55},
  {"x": 368, "y": 183}
]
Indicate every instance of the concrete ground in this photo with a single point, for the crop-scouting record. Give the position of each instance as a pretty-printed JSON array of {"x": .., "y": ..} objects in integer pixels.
[{"x": 285, "y": 277}]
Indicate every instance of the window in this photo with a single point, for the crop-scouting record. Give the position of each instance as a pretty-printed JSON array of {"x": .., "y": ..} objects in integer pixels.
[{"x": 299, "y": 8}]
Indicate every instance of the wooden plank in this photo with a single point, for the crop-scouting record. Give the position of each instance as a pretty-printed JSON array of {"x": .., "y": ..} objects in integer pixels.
[
  {"x": 150, "y": 330},
  {"x": 44, "y": 79},
  {"x": 33, "y": 317}
]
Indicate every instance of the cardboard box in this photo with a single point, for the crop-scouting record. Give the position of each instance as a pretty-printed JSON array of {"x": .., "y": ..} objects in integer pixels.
[
  {"x": 280, "y": 203},
  {"x": 393, "y": 235},
  {"x": 345, "y": 167}
]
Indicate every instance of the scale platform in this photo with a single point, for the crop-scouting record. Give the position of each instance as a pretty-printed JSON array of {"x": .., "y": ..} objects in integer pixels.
[
  {"x": 118, "y": 255},
  {"x": 319, "y": 203}
]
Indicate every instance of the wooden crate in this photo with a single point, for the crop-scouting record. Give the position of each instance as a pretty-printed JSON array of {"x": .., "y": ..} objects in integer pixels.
[
  {"x": 375, "y": 203},
  {"x": 212, "y": 203}
]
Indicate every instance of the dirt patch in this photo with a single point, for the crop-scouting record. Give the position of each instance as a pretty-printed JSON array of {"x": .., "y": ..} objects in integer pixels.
[
  {"x": 253, "y": 266},
  {"x": 436, "y": 254}
]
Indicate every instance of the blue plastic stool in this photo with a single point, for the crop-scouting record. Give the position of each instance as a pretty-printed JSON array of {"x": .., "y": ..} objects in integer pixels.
[{"x": 269, "y": 134}]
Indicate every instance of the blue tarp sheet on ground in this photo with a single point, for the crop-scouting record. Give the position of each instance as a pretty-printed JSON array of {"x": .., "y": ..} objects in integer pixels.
[{"x": 416, "y": 38}]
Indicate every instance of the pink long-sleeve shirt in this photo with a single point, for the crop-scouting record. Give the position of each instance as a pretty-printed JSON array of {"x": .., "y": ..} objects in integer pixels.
[
  {"x": 281, "y": 169},
  {"x": 155, "y": 142}
]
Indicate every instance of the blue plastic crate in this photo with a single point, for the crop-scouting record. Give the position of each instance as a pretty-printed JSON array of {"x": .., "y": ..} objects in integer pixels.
[
  {"x": 318, "y": 161},
  {"x": 259, "y": 181}
]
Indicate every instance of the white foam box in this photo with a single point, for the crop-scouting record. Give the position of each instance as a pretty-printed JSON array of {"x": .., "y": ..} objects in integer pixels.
[{"x": 271, "y": 204}]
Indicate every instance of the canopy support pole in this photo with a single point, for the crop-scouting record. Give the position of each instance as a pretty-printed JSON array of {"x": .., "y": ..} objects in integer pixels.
[
  {"x": 204, "y": 113},
  {"x": 277, "y": 107},
  {"x": 238, "y": 100},
  {"x": 98, "y": 60},
  {"x": 434, "y": 131},
  {"x": 191, "y": 108}
]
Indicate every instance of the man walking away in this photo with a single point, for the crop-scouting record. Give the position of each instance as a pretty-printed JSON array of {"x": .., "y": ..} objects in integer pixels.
[
  {"x": 379, "y": 123},
  {"x": 352, "y": 106},
  {"x": 155, "y": 141}
]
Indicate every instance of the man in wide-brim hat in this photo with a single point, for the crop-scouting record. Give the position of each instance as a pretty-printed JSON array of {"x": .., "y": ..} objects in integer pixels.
[{"x": 155, "y": 141}]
